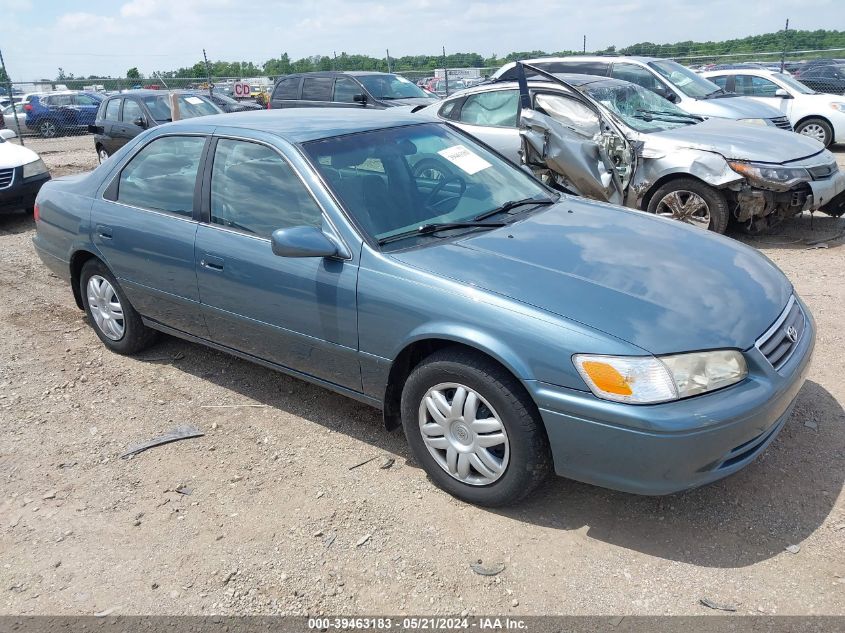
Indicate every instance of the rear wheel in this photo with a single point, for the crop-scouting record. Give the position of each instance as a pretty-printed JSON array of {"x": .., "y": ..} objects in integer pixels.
[
  {"x": 48, "y": 129},
  {"x": 692, "y": 202},
  {"x": 818, "y": 129},
  {"x": 472, "y": 427},
  {"x": 111, "y": 315}
]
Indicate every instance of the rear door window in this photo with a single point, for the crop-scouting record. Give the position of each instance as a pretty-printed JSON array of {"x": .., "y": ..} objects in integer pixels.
[
  {"x": 163, "y": 175},
  {"x": 497, "y": 108},
  {"x": 287, "y": 88},
  {"x": 636, "y": 75},
  {"x": 112, "y": 110},
  {"x": 317, "y": 88},
  {"x": 131, "y": 111}
]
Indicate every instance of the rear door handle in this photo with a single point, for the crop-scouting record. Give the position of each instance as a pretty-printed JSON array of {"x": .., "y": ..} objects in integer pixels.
[
  {"x": 212, "y": 262},
  {"x": 104, "y": 231}
]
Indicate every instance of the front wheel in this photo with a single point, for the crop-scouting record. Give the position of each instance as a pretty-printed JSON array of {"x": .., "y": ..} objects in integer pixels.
[
  {"x": 473, "y": 429},
  {"x": 692, "y": 202},
  {"x": 818, "y": 129},
  {"x": 113, "y": 318}
]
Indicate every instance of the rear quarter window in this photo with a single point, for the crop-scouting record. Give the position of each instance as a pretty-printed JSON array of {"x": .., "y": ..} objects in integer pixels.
[{"x": 287, "y": 88}]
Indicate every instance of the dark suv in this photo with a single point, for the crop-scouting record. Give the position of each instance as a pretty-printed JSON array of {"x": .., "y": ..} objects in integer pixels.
[
  {"x": 124, "y": 116},
  {"x": 346, "y": 90}
]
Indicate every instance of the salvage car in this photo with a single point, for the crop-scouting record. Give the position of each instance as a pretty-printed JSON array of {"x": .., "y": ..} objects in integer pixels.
[
  {"x": 300, "y": 240},
  {"x": 814, "y": 114},
  {"x": 22, "y": 173},
  {"x": 691, "y": 92},
  {"x": 617, "y": 142},
  {"x": 125, "y": 115}
]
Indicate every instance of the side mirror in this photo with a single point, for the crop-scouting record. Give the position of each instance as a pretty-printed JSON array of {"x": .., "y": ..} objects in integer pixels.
[
  {"x": 140, "y": 122},
  {"x": 305, "y": 241},
  {"x": 7, "y": 134},
  {"x": 361, "y": 98},
  {"x": 783, "y": 94},
  {"x": 96, "y": 129}
]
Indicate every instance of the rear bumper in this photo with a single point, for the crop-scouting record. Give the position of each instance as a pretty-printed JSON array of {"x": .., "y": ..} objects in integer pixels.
[
  {"x": 22, "y": 193},
  {"x": 666, "y": 448}
]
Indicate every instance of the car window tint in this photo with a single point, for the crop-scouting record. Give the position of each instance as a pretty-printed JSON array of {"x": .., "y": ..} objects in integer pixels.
[
  {"x": 345, "y": 90},
  {"x": 497, "y": 108},
  {"x": 576, "y": 67},
  {"x": 255, "y": 191},
  {"x": 721, "y": 81},
  {"x": 755, "y": 86},
  {"x": 85, "y": 100},
  {"x": 448, "y": 108},
  {"x": 131, "y": 110},
  {"x": 112, "y": 110},
  {"x": 162, "y": 176},
  {"x": 636, "y": 75},
  {"x": 317, "y": 88},
  {"x": 287, "y": 89}
]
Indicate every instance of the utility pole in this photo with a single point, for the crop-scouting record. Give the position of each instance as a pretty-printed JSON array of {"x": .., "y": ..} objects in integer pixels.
[
  {"x": 334, "y": 55},
  {"x": 207, "y": 72},
  {"x": 11, "y": 97},
  {"x": 445, "y": 72},
  {"x": 584, "y": 48},
  {"x": 387, "y": 50},
  {"x": 785, "y": 40}
]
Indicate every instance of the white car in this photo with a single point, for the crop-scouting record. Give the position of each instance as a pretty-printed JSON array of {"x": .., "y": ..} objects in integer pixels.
[
  {"x": 22, "y": 172},
  {"x": 9, "y": 117},
  {"x": 815, "y": 114}
]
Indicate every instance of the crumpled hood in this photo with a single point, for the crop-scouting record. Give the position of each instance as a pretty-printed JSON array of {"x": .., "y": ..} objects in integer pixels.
[
  {"x": 658, "y": 284},
  {"x": 411, "y": 101},
  {"x": 741, "y": 141}
]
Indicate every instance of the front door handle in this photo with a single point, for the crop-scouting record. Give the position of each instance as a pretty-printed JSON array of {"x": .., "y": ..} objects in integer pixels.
[
  {"x": 212, "y": 262},
  {"x": 104, "y": 231}
]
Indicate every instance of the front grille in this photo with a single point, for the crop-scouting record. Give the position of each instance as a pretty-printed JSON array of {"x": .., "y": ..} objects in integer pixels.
[
  {"x": 820, "y": 172},
  {"x": 779, "y": 343},
  {"x": 782, "y": 122},
  {"x": 6, "y": 178}
]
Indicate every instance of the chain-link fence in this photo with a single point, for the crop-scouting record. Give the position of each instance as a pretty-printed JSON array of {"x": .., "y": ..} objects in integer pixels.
[{"x": 54, "y": 115}]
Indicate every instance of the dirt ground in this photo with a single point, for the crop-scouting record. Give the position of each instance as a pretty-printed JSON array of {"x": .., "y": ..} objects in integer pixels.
[{"x": 271, "y": 518}]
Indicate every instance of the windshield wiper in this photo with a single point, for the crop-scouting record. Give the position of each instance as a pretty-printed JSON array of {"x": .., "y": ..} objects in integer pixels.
[
  {"x": 427, "y": 229},
  {"x": 513, "y": 204}
]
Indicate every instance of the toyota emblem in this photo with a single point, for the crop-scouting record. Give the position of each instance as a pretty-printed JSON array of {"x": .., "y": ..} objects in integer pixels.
[{"x": 792, "y": 334}]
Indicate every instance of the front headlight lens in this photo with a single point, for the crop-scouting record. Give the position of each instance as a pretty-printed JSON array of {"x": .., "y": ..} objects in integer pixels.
[
  {"x": 838, "y": 106},
  {"x": 648, "y": 380},
  {"x": 769, "y": 175},
  {"x": 754, "y": 121},
  {"x": 34, "y": 168}
]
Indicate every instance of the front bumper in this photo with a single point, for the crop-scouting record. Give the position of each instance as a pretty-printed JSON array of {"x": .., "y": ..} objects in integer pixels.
[
  {"x": 21, "y": 194},
  {"x": 670, "y": 447}
]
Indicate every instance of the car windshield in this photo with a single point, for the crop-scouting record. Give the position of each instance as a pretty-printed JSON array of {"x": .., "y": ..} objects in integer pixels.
[
  {"x": 639, "y": 108},
  {"x": 394, "y": 181},
  {"x": 389, "y": 87},
  {"x": 190, "y": 106},
  {"x": 794, "y": 84},
  {"x": 224, "y": 98},
  {"x": 684, "y": 79}
]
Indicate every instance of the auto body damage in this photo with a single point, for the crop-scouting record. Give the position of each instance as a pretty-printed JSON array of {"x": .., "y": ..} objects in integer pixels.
[{"x": 604, "y": 163}]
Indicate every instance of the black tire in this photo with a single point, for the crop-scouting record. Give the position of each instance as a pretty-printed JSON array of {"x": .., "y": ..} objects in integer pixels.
[
  {"x": 717, "y": 205},
  {"x": 48, "y": 129},
  {"x": 136, "y": 336},
  {"x": 820, "y": 124},
  {"x": 530, "y": 458}
]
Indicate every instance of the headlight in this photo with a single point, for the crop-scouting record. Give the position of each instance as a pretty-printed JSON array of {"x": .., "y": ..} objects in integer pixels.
[
  {"x": 770, "y": 175},
  {"x": 837, "y": 106},
  {"x": 34, "y": 168},
  {"x": 754, "y": 121},
  {"x": 648, "y": 380}
]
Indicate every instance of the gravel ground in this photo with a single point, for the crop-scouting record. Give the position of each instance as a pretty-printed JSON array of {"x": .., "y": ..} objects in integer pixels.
[{"x": 264, "y": 515}]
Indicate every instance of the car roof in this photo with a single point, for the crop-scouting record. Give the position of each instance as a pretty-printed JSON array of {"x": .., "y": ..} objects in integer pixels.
[
  {"x": 570, "y": 78},
  {"x": 742, "y": 71},
  {"x": 300, "y": 125},
  {"x": 144, "y": 92},
  {"x": 334, "y": 73}
]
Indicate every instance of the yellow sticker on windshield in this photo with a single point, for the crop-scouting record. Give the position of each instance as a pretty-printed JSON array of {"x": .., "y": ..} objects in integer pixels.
[{"x": 463, "y": 158}]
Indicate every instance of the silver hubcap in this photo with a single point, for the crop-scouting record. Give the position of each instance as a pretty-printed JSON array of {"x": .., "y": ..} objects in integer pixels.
[
  {"x": 816, "y": 131},
  {"x": 685, "y": 206},
  {"x": 105, "y": 307},
  {"x": 48, "y": 129},
  {"x": 464, "y": 434}
]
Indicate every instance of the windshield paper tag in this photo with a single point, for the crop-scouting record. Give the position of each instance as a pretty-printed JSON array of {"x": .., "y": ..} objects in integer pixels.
[
  {"x": 464, "y": 159},
  {"x": 194, "y": 100}
]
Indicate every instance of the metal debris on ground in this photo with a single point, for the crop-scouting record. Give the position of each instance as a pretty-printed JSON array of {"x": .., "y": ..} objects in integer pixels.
[
  {"x": 719, "y": 606},
  {"x": 182, "y": 489},
  {"x": 487, "y": 570},
  {"x": 366, "y": 461},
  {"x": 363, "y": 540},
  {"x": 329, "y": 539},
  {"x": 793, "y": 549},
  {"x": 387, "y": 462},
  {"x": 181, "y": 432}
]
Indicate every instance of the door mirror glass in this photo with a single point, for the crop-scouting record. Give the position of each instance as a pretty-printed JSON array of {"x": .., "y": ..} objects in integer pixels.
[
  {"x": 303, "y": 241},
  {"x": 140, "y": 122},
  {"x": 361, "y": 98}
]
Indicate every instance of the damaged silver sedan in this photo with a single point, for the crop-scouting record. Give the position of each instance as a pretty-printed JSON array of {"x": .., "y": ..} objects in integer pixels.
[{"x": 614, "y": 141}]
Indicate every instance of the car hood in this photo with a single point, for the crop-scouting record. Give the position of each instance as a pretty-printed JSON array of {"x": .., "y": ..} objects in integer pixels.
[
  {"x": 740, "y": 141},
  {"x": 730, "y": 107},
  {"x": 410, "y": 101},
  {"x": 661, "y": 285},
  {"x": 13, "y": 155}
]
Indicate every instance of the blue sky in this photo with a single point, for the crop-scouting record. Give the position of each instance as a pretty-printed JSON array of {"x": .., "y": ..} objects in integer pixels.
[{"x": 107, "y": 37}]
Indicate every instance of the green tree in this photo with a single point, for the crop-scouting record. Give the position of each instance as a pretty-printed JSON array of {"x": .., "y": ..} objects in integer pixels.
[{"x": 133, "y": 73}]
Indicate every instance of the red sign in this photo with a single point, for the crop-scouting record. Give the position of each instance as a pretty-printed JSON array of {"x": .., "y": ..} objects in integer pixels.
[{"x": 241, "y": 90}]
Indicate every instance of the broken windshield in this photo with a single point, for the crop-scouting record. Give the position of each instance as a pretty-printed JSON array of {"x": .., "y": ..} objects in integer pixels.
[
  {"x": 684, "y": 79},
  {"x": 640, "y": 109}
]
